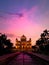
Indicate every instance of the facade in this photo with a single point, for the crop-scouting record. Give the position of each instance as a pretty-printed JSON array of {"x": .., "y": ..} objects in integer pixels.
[{"x": 23, "y": 44}]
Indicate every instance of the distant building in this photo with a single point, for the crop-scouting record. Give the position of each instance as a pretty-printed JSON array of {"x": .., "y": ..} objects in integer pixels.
[{"x": 23, "y": 44}]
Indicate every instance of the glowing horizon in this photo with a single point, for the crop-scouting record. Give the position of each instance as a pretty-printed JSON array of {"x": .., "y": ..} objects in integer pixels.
[{"x": 29, "y": 18}]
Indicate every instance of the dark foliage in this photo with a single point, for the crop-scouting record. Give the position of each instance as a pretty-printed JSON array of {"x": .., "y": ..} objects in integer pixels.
[
  {"x": 5, "y": 44},
  {"x": 43, "y": 42}
]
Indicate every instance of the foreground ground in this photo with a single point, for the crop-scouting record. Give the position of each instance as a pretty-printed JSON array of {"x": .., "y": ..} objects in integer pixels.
[{"x": 24, "y": 59}]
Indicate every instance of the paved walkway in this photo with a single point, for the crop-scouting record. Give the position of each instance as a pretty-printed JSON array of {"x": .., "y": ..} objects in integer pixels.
[
  {"x": 42, "y": 56},
  {"x": 24, "y": 59}
]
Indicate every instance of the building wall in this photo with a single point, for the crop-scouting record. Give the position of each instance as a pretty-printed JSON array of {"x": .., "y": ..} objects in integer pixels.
[{"x": 23, "y": 44}]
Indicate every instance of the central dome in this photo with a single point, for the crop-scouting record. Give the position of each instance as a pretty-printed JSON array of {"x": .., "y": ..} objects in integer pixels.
[{"x": 23, "y": 38}]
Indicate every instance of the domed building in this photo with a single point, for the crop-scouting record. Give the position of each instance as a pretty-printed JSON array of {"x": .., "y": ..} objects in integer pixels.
[{"x": 23, "y": 44}]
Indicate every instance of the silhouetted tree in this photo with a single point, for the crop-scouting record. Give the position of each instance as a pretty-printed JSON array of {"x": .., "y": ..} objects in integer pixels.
[
  {"x": 4, "y": 43},
  {"x": 46, "y": 32},
  {"x": 8, "y": 43},
  {"x": 43, "y": 42}
]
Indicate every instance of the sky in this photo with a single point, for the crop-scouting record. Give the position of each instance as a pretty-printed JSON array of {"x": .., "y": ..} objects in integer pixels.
[{"x": 28, "y": 17}]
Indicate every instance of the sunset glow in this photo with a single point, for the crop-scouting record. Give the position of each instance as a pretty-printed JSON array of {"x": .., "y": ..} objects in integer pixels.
[{"x": 28, "y": 17}]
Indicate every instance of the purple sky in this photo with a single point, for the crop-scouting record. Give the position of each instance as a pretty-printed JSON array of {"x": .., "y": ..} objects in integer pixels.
[{"x": 28, "y": 17}]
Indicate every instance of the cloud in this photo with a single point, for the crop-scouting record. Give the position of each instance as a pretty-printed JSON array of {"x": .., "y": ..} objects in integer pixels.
[
  {"x": 25, "y": 24},
  {"x": 1, "y": 17},
  {"x": 11, "y": 35},
  {"x": 9, "y": 14}
]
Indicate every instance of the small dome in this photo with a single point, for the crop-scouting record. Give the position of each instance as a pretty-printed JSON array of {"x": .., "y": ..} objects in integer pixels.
[
  {"x": 16, "y": 39},
  {"x": 30, "y": 39}
]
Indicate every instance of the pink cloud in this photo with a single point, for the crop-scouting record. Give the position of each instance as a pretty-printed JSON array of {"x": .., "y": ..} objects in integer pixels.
[
  {"x": 10, "y": 35},
  {"x": 23, "y": 25}
]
